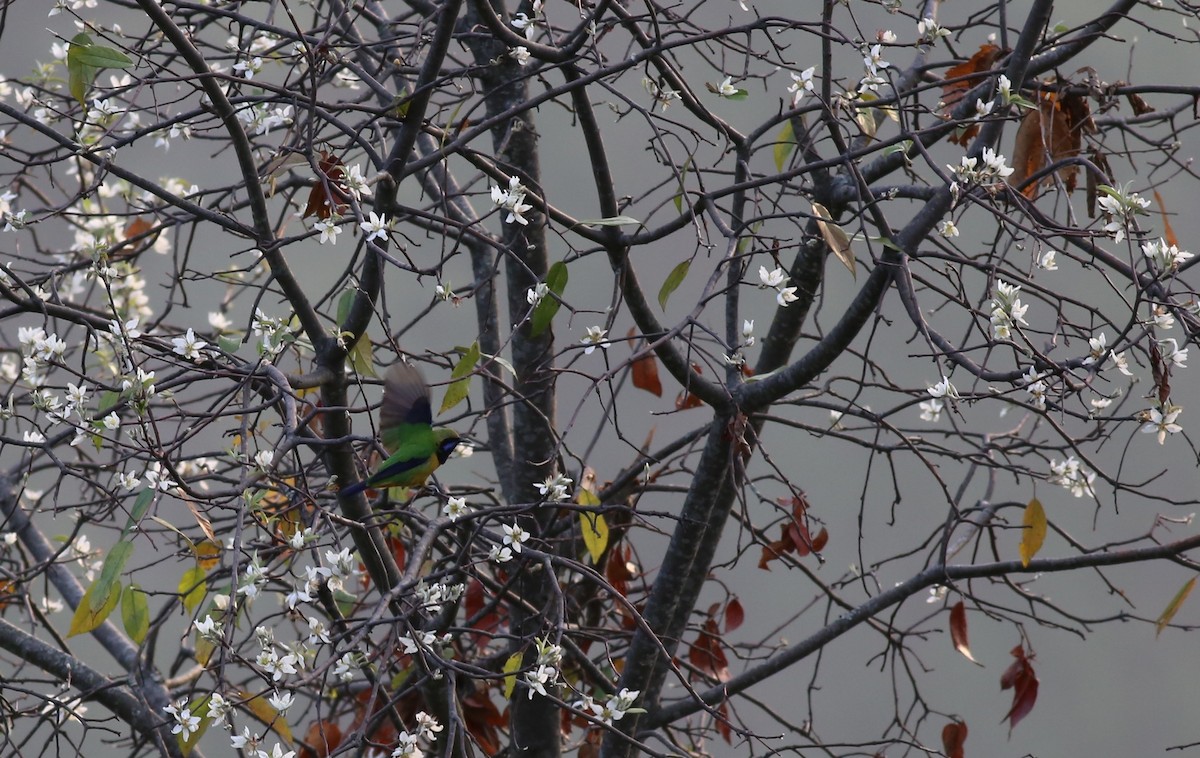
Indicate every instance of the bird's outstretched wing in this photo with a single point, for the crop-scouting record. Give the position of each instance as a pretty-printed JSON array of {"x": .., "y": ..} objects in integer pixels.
[{"x": 405, "y": 415}]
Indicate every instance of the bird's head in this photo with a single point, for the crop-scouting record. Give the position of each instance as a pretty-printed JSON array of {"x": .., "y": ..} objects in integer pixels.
[{"x": 447, "y": 439}]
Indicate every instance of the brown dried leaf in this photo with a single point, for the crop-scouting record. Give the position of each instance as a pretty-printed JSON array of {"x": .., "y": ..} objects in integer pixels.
[
  {"x": 954, "y": 736},
  {"x": 970, "y": 73},
  {"x": 1140, "y": 106},
  {"x": 958, "y": 631},
  {"x": 1168, "y": 232},
  {"x": 645, "y": 374}
]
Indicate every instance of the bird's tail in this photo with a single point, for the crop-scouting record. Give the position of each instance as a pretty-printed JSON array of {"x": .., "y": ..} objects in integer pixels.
[{"x": 353, "y": 489}]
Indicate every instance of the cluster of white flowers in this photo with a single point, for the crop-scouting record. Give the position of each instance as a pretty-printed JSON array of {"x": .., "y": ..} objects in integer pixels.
[
  {"x": 1121, "y": 206},
  {"x": 423, "y": 641},
  {"x": 802, "y": 84},
  {"x": 261, "y": 118},
  {"x": 1035, "y": 385},
  {"x": 515, "y": 537},
  {"x": 526, "y": 25},
  {"x": 614, "y": 709},
  {"x": 512, "y": 200},
  {"x": 375, "y": 227},
  {"x": 273, "y": 663},
  {"x": 929, "y": 30},
  {"x": 537, "y": 293},
  {"x": 931, "y": 410},
  {"x": 432, "y": 596},
  {"x": 185, "y": 723},
  {"x": 595, "y": 338},
  {"x": 663, "y": 96},
  {"x": 249, "y": 67},
  {"x": 1165, "y": 258},
  {"x": 273, "y": 332},
  {"x": 329, "y": 228},
  {"x": 1072, "y": 476},
  {"x": 988, "y": 168},
  {"x": 1007, "y": 310},
  {"x": 775, "y": 279},
  {"x": 1162, "y": 422},
  {"x": 874, "y": 63},
  {"x": 189, "y": 346},
  {"x": 545, "y": 671},
  {"x": 1171, "y": 353},
  {"x": 943, "y": 389},
  {"x": 251, "y": 746},
  {"x": 456, "y": 508},
  {"x": 556, "y": 488},
  {"x": 408, "y": 743}
]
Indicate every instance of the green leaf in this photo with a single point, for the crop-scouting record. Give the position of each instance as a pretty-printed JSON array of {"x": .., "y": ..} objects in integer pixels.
[
  {"x": 343, "y": 307},
  {"x": 110, "y": 573},
  {"x": 1174, "y": 606},
  {"x": 678, "y": 199},
  {"x": 140, "y": 506},
  {"x": 228, "y": 343},
  {"x": 84, "y": 61},
  {"x": 192, "y": 587},
  {"x": 135, "y": 613},
  {"x": 785, "y": 143},
  {"x": 543, "y": 314},
  {"x": 98, "y": 56},
  {"x": 511, "y": 667},
  {"x": 85, "y": 619},
  {"x": 108, "y": 401},
  {"x": 362, "y": 357},
  {"x": 461, "y": 376},
  {"x": 739, "y": 95},
  {"x": 672, "y": 282},
  {"x": 610, "y": 221}
]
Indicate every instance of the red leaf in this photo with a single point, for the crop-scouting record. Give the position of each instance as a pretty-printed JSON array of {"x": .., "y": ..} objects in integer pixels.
[
  {"x": 706, "y": 653},
  {"x": 954, "y": 735},
  {"x": 1021, "y": 679},
  {"x": 734, "y": 615},
  {"x": 482, "y": 719},
  {"x": 798, "y": 534},
  {"x": 723, "y": 722},
  {"x": 137, "y": 227},
  {"x": 321, "y": 738},
  {"x": 645, "y": 375},
  {"x": 320, "y": 203},
  {"x": 819, "y": 542}
]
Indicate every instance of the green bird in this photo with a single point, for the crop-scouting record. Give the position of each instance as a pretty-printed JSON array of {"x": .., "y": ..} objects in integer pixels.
[{"x": 415, "y": 447}]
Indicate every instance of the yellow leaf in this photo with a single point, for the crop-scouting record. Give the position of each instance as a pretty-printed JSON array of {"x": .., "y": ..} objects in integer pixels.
[
  {"x": 208, "y": 554},
  {"x": 1174, "y": 606},
  {"x": 192, "y": 587},
  {"x": 85, "y": 619},
  {"x": 1034, "y": 532},
  {"x": 511, "y": 667},
  {"x": 262, "y": 710},
  {"x": 595, "y": 533},
  {"x": 835, "y": 237}
]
